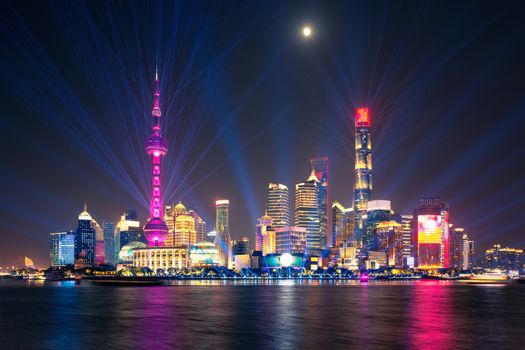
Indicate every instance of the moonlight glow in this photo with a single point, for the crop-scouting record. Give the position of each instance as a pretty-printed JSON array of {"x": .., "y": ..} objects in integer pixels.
[{"x": 307, "y": 31}]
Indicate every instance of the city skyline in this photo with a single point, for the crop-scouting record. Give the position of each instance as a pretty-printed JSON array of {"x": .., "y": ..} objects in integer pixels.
[{"x": 209, "y": 163}]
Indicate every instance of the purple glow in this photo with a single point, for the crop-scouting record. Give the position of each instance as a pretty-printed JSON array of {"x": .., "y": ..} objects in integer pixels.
[{"x": 156, "y": 229}]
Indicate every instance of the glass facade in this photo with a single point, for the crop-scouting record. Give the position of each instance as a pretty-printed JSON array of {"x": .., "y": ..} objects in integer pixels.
[
  {"x": 62, "y": 249},
  {"x": 307, "y": 212},
  {"x": 278, "y": 205},
  {"x": 319, "y": 167}
]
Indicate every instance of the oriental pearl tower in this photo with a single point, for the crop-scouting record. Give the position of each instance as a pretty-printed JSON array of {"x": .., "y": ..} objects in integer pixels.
[{"x": 156, "y": 229}]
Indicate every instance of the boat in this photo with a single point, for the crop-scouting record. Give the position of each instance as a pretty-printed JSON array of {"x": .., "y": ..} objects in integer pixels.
[
  {"x": 494, "y": 276},
  {"x": 126, "y": 281}
]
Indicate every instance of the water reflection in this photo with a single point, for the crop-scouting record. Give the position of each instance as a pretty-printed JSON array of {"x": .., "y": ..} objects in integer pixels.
[{"x": 432, "y": 316}]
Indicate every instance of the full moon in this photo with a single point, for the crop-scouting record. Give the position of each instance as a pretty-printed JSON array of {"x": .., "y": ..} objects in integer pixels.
[{"x": 307, "y": 31}]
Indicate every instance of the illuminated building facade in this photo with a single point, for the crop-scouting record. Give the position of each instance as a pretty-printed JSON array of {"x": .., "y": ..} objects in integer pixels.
[
  {"x": 265, "y": 235},
  {"x": 222, "y": 229},
  {"x": 161, "y": 258},
  {"x": 290, "y": 239},
  {"x": 504, "y": 258},
  {"x": 278, "y": 205},
  {"x": 108, "y": 229},
  {"x": 307, "y": 212},
  {"x": 460, "y": 249},
  {"x": 319, "y": 167},
  {"x": 363, "y": 170},
  {"x": 200, "y": 227},
  {"x": 377, "y": 211},
  {"x": 156, "y": 229},
  {"x": 84, "y": 241},
  {"x": 406, "y": 228},
  {"x": 100, "y": 251},
  {"x": 203, "y": 254},
  {"x": 62, "y": 249},
  {"x": 390, "y": 241},
  {"x": 431, "y": 228},
  {"x": 184, "y": 233},
  {"x": 127, "y": 230},
  {"x": 240, "y": 247},
  {"x": 342, "y": 224}
]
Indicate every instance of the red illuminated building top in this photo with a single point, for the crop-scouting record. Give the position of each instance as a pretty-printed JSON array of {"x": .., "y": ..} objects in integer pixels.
[{"x": 362, "y": 118}]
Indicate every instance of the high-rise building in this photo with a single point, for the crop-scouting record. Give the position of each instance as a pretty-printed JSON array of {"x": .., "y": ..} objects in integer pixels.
[
  {"x": 390, "y": 241},
  {"x": 240, "y": 247},
  {"x": 406, "y": 230},
  {"x": 290, "y": 239},
  {"x": 184, "y": 233},
  {"x": 200, "y": 226},
  {"x": 431, "y": 238},
  {"x": 128, "y": 230},
  {"x": 319, "y": 167},
  {"x": 222, "y": 229},
  {"x": 265, "y": 235},
  {"x": 377, "y": 211},
  {"x": 99, "y": 243},
  {"x": 342, "y": 224},
  {"x": 504, "y": 258},
  {"x": 156, "y": 229},
  {"x": 109, "y": 242},
  {"x": 307, "y": 212},
  {"x": 278, "y": 204},
  {"x": 62, "y": 250},
  {"x": 363, "y": 170},
  {"x": 84, "y": 241}
]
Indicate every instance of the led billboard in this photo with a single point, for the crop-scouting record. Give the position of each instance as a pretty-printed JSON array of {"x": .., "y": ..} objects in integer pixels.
[{"x": 361, "y": 118}]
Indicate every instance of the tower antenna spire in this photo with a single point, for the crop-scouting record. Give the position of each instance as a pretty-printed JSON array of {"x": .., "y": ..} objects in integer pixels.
[{"x": 85, "y": 205}]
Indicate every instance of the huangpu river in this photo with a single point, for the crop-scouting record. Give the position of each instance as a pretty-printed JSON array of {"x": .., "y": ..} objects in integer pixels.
[{"x": 264, "y": 315}]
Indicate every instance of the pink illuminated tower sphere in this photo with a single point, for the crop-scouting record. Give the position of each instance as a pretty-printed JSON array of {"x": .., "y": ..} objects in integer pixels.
[{"x": 156, "y": 229}]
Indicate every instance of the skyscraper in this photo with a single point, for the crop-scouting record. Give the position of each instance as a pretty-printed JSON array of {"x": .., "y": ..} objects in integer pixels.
[
  {"x": 62, "y": 249},
  {"x": 156, "y": 229},
  {"x": 307, "y": 211},
  {"x": 222, "y": 229},
  {"x": 84, "y": 241},
  {"x": 109, "y": 242},
  {"x": 319, "y": 167},
  {"x": 460, "y": 249},
  {"x": 278, "y": 204},
  {"x": 184, "y": 233},
  {"x": 127, "y": 230},
  {"x": 431, "y": 239},
  {"x": 363, "y": 169},
  {"x": 290, "y": 239},
  {"x": 406, "y": 230},
  {"x": 265, "y": 235},
  {"x": 377, "y": 211},
  {"x": 200, "y": 226},
  {"x": 342, "y": 224}
]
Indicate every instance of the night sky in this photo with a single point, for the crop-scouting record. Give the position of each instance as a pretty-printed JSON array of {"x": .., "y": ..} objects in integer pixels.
[{"x": 247, "y": 100}]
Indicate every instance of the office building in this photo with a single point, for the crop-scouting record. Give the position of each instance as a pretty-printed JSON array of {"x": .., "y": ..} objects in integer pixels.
[
  {"x": 319, "y": 167},
  {"x": 504, "y": 258},
  {"x": 240, "y": 247},
  {"x": 184, "y": 233},
  {"x": 200, "y": 226},
  {"x": 222, "y": 229},
  {"x": 265, "y": 235},
  {"x": 278, "y": 205},
  {"x": 307, "y": 212},
  {"x": 407, "y": 232},
  {"x": 290, "y": 239},
  {"x": 84, "y": 241},
  {"x": 108, "y": 229},
  {"x": 377, "y": 211},
  {"x": 62, "y": 249},
  {"x": 431, "y": 228}
]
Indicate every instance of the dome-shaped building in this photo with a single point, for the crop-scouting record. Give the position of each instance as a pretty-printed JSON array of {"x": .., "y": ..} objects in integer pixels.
[
  {"x": 125, "y": 256},
  {"x": 203, "y": 254}
]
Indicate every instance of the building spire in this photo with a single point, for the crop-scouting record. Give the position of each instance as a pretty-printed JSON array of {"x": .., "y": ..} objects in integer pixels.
[{"x": 85, "y": 205}]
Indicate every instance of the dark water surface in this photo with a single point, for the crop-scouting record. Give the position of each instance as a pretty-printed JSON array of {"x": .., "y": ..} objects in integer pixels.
[{"x": 279, "y": 315}]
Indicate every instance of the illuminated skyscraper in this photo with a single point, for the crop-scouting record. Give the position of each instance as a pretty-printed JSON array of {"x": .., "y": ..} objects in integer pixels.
[
  {"x": 109, "y": 242},
  {"x": 319, "y": 167},
  {"x": 184, "y": 228},
  {"x": 290, "y": 239},
  {"x": 431, "y": 240},
  {"x": 278, "y": 204},
  {"x": 84, "y": 241},
  {"x": 342, "y": 224},
  {"x": 222, "y": 229},
  {"x": 377, "y": 211},
  {"x": 62, "y": 250},
  {"x": 307, "y": 212},
  {"x": 406, "y": 230},
  {"x": 460, "y": 249},
  {"x": 156, "y": 229},
  {"x": 363, "y": 169},
  {"x": 200, "y": 227},
  {"x": 127, "y": 230},
  {"x": 265, "y": 235}
]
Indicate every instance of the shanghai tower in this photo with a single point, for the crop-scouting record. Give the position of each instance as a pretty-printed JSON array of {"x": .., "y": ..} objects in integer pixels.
[
  {"x": 156, "y": 229},
  {"x": 363, "y": 170}
]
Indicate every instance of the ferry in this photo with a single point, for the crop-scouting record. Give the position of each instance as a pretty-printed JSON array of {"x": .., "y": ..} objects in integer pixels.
[{"x": 494, "y": 276}]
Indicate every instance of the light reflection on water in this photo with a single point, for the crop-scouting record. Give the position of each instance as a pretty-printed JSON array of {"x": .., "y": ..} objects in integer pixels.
[{"x": 270, "y": 314}]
